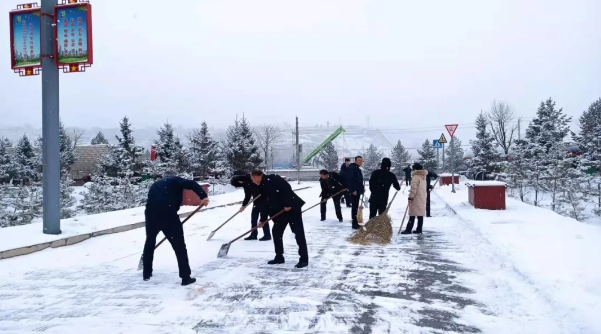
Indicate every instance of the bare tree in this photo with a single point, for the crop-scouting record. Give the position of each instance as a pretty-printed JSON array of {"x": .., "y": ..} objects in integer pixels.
[
  {"x": 266, "y": 136},
  {"x": 76, "y": 135},
  {"x": 501, "y": 118}
]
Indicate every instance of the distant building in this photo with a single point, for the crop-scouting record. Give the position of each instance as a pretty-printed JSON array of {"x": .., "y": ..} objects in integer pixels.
[{"x": 88, "y": 157}]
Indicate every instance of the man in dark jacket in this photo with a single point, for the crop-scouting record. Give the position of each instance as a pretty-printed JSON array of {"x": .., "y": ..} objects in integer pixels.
[
  {"x": 343, "y": 176},
  {"x": 281, "y": 197},
  {"x": 407, "y": 171},
  {"x": 431, "y": 176},
  {"x": 241, "y": 179},
  {"x": 379, "y": 186},
  {"x": 355, "y": 187},
  {"x": 164, "y": 200},
  {"x": 330, "y": 185}
]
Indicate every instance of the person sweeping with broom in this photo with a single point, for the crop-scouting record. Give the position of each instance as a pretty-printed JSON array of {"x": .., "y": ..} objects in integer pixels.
[
  {"x": 355, "y": 186},
  {"x": 241, "y": 179},
  {"x": 331, "y": 184},
  {"x": 379, "y": 185},
  {"x": 164, "y": 200},
  {"x": 417, "y": 199}
]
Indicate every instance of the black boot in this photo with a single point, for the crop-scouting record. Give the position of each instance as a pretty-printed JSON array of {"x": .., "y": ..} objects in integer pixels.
[
  {"x": 356, "y": 226},
  {"x": 277, "y": 260},
  {"x": 188, "y": 280},
  {"x": 408, "y": 229},
  {"x": 340, "y": 220},
  {"x": 251, "y": 237},
  {"x": 420, "y": 224},
  {"x": 147, "y": 277},
  {"x": 323, "y": 219},
  {"x": 302, "y": 264},
  {"x": 265, "y": 238}
]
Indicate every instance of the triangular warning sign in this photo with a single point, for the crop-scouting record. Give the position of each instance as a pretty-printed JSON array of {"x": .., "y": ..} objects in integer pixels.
[
  {"x": 442, "y": 139},
  {"x": 451, "y": 128}
]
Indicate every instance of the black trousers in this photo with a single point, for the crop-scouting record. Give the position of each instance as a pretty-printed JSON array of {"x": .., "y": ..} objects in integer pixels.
[
  {"x": 377, "y": 206},
  {"x": 323, "y": 207},
  {"x": 346, "y": 198},
  {"x": 293, "y": 217},
  {"x": 355, "y": 207},
  {"x": 428, "y": 203},
  {"x": 259, "y": 210},
  {"x": 407, "y": 181},
  {"x": 173, "y": 230}
]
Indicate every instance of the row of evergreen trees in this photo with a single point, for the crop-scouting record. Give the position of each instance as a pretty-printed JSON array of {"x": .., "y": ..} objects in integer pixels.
[
  {"x": 21, "y": 176},
  {"x": 541, "y": 164}
]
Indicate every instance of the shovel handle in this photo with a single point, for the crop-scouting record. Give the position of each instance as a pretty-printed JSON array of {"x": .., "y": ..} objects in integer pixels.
[
  {"x": 260, "y": 224},
  {"x": 235, "y": 214},
  {"x": 324, "y": 200}
]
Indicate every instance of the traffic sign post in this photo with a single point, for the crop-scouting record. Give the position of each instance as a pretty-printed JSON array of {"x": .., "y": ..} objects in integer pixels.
[
  {"x": 437, "y": 146},
  {"x": 451, "y": 128},
  {"x": 443, "y": 140}
]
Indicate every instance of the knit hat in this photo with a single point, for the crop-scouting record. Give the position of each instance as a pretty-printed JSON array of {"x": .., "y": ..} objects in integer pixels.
[
  {"x": 386, "y": 164},
  {"x": 417, "y": 166}
]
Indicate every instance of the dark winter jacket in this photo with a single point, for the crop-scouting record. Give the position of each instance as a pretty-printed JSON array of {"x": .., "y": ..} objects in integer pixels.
[
  {"x": 250, "y": 189},
  {"x": 380, "y": 182},
  {"x": 355, "y": 179},
  {"x": 165, "y": 195},
  {"x": 344, "y": 174},
  {"x": 431, "y": 176},
  {"x": 331, "y": 185},
  {"x": 407, "y": 171},
  {"x": 279, "y": 194}
]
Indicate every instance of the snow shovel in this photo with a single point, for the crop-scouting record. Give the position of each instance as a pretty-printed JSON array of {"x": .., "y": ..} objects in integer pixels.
[
  {"x": 232, "y": 217},
  {"x": 225, "y": 248},
  {"x": 141, "y": 263},
  {"x": 324, "y": 200}
]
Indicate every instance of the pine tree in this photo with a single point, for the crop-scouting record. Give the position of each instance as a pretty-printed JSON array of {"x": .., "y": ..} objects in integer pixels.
[
  {"x": 240, "y": 150},
  {"x": 455, "y": 155},
  {"x": 24, "y": 164},
  {"x": 19, "y": 205},
  {"x": 400, "y": 158},
  {"x": 427, "y": 156},
  {"x": 589, "y": 143},
  {"x": 485, "y": 157},
  {"x": 203, "y": 151},
  {"x": 372, "y": 159},
  {"x": 67, "y": 149},
  {"x": 5, "y": 159},
  {"x": 544, "y": 145},
  {"x": 132, "y": 154},
  {"x": 67, "y": 199},
  {"x": 169, "y": 151},
  {"x": 328, "y": 157},
  {"x": 99, "y": 139}
]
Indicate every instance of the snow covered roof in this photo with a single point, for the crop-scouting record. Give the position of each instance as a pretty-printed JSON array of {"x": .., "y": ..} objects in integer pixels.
[{"x": 485, "y": 184}]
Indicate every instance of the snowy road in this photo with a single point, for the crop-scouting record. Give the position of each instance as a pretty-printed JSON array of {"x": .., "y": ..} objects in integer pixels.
[{"x": 445, "y": 281}]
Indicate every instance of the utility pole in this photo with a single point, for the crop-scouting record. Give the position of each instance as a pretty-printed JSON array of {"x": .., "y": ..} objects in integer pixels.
[
  {"x": 271, "y": 159},
  {"x": 444, "y": 161},
  {"x": 519, "y": 128},
  {"x": 452, "y": 165},
  {"x": 50, "y": 122},
  {"x": 298, "y": 167}
]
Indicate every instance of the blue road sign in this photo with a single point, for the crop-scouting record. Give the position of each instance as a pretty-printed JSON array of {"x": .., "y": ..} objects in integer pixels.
[{"x": 436, "y": 144}]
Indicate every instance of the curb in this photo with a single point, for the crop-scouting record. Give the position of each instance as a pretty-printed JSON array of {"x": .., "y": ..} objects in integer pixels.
[{"x": 81, "y": 237}]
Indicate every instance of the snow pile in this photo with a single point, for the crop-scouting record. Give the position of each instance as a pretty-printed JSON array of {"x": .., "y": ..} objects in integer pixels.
[{"x": 555, "y": 254}]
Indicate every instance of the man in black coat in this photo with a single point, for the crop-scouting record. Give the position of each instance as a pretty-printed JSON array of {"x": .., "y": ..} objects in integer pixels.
[
  {"x": 379, "y": 186},
  {"x": 407, "y": 171},
  {"x": 355, "y": 187},
  {"x": 241, "y": 179},
  {"x": 343, "y": 176},
  {"x": 431, "y": 176},
  {"x": 330, "y": 185},
  {"x": 164, "y": 200},
  {"x": 281, "y": 197}
]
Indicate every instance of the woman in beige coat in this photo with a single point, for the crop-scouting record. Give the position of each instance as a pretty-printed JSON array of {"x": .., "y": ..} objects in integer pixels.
[{"x": 417, "y": 199}]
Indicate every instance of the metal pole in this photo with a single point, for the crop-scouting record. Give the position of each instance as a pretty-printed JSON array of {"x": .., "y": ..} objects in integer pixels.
[
  {"x": 298, "y": 168},
  {"x": 444, "y": 161},
  {"x": 50, "y": 123},
  {"x": 437, "y": 159},
  {"x": 452, "y": 166},
  {"x": 519, "y": 129}
]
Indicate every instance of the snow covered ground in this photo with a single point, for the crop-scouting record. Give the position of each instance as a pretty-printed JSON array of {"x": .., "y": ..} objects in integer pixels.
[
  {"x": 556, "y": 255},
  {"x": 450, "y": 280}
]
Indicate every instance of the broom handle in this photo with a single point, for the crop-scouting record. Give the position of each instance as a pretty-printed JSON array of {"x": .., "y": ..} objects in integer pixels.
[
  {"x": 185, "y": 220},
  {"x": 403, "y": 221},
  {"x": 256, "y": 227},
  {"x": 392, "y": 200},
  {"x": 324, "y": 200},
  {"x": 235, "y": 214}
]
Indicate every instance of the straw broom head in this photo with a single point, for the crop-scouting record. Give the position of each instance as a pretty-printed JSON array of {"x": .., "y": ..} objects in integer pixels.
[{"x": 377, "y": 230}]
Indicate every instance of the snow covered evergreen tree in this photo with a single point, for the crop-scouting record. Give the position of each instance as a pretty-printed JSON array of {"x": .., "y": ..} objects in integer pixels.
[
  {"x": 485, "y": 157},
  {"x": 67, "y": 198},
  {"x": 240, "y": 150},
  {"x": 427, "y": 156},
  {"x": 589, "y": 142},
  {"x": 169, "y": 151},
  {"x": 400, "y": 158},
  {"x": 24, "y": 164},
  {"x": 132, "y": 154},
  {"x": 99, "y": 139},
  {"x": 19, "y": 205},
  {"x": 328, "y": 157},
  {"x": 455, "y": 155},
  {"x": 203, "y": 151},
  {"x": 67, "y": 149},
  {"x": 5, "y": 159},
  {"x": 372, "y": 159}
]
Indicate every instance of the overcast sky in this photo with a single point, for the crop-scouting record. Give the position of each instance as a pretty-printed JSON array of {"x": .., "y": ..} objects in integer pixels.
[{"x": 402, "y": 63}]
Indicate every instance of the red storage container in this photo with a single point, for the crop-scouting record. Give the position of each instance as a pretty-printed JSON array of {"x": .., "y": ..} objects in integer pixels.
[
  {"x": 445, "y": 179},
  {"x": 488, "y": 195},
  {"x": 190, "y": 198}
]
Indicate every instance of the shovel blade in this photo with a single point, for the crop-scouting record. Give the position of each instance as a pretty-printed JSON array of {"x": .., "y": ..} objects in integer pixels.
[
  {"x": 141, "y": 263},
  {"x": 223, "y": 250},
  {"x": 211, "y": 235}
]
